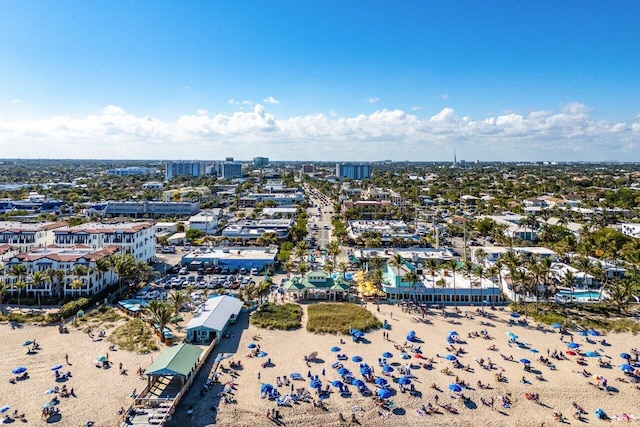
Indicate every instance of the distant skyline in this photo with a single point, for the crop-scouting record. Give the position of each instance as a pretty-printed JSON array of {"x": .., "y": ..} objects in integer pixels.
[{"x": 330, "y": 80}]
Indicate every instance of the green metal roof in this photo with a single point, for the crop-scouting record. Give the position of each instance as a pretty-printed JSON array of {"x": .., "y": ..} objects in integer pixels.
[{"x": 177, "y": 360}]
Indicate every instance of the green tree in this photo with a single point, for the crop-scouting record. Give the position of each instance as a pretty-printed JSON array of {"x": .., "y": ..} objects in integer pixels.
[
  {"x": 193, "y": 234},
  {"x": 38, "y": 278},
  {"x": 160, "y": 313},
  {"x": 412, "y": 278},
  {"x": 177, "y": 300}
]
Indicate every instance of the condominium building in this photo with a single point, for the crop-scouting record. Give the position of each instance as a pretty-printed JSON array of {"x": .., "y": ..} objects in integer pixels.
[
  {"x": 132, "y": 170},
  {"x": 26, "y": 236},
  {"x": 353, "y": 170},
  {"x": 135, "y": 238},
  {"x": 260, "y": 162},
  {"x": 187, "y": 168},
  {"x": 145, "y": 209},
  {"x": 64, "y": 259}
]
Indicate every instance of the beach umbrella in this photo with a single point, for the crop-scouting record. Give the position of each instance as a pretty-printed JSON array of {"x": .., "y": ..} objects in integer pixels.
[
  {"x": 252, "y": 345},
  {"x": 582, "y": 333},
  {"x": 593, "y": 333},
  {"x": 357, "y": 383},
  {"x": 525, "y": 361},
  {"x": 48, "y": 405},
  {"x": 592, "y": 354},
  {"x": 515, "y": 315},
  {"x": 405, "y": 356},
  {"x": 625, "y": 356},
  {"x": 418, "y": 356},
  {"x": 336, "y": 383},
  {"x": 50, "y": 391},
  {"x": 380, "y": 381},
  {"x": 4, "y": 409},
  {"x": 456, "y": 388},
  {"x": 452, "y": 333},
  {"x": 26, "y": 343},
  {"x": 335, "y": 349},
  {"x": 570, "y": 352},
  {"x": 102, "y": 358},
  {"x": 343, "y": 371},
  {"x": 315, "y": 384},
  {"x": 534, "y": 351},
  {"x": 387, "y": 355},
  {"x": 55, "y": 368},
  {"x": 450, "y": 357},
  {"x": 262, "y": 354},
  {"x": 383, "y": 393},
  {"x": 387, "y": 369},
  {"x": 625, "y": 367},
  {"x": 404, "y": 381},
  {"x": 365, "y": 370},
  {"x": 266, "y": 388},
  {"x": 19, "y": 370},
  {"x": 356, "y": 359},
  {"x": 556, "y": 326},
  {"x": 573, "y": 345}
]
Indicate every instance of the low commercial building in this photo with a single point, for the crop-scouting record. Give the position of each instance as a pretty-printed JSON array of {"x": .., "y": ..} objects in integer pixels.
[
  {"x": 145, "y": 209},
  {"x": 387, "y": 230},
  {"x": 212, "y": 318},
  {"x": 317, "y": 285},
  {"x": 252, "y": 230},
  {"x": 205, "y": 221},
  {"x": 233, "y": 257}
]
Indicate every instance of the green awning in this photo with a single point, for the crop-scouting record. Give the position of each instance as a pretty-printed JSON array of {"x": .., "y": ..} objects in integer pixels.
[{"x": 177, "y": 360}]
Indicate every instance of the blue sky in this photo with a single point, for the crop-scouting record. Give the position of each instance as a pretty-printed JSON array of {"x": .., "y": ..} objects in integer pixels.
[{"x": 324, "y": 80}]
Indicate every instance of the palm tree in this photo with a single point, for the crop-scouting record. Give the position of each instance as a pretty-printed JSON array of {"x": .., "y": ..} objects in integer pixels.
[
  {"x": 76, "y": 284},
  {"x": 124, "y": 265},
  {"x": 177, "y": 300},
  {"x": 300, "y": 250},
  {"x": 343, "y": 267},
  {"x": 19, "y": 271},
  {"x": 303, "y": 268},
  {"x": 289, "y": 267},
  {"x": 492, "y": 273},
  {"x": 333, "y": 249},
  {"x": 79, "y": 271},
  {"x": 411, "y": 277},
  {"x": 569, "y": 280},
  {"x": 3, "y": 290},
  {"x": 328, "y": 267},
  {"x": 160, "y": 313},
  {"x": 38, "y": 278},
  {"x": 396, "y": 262},
  {"x": 479, "y": 272},
  {"x": 453, "y": 266}
]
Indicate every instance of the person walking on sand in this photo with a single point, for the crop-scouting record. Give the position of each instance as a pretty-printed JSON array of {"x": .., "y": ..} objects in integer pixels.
[{"x": 66, "y": 358}]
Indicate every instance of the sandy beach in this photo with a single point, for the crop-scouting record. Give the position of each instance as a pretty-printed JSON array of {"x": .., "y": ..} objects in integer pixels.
[
  {"x": 557, "y": 389},
  {"x": 99, "y": 393}
]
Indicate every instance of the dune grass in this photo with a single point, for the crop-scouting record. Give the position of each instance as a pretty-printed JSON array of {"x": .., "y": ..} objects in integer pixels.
[
  {"x": 339, "y": 318},
  {"x": 283, "y": 317},
  {"x": 134, "y": 335}
]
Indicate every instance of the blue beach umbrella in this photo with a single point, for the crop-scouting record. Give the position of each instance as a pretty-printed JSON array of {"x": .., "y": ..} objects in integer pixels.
[
  {"x": 4, "y": 409},
  {"x": 386, "y": 369},
  {"x": 625, "y": 356},
  {"x": 383, "y": 393},
  {"x": 450, "y": 357},
  {"x": 26, "y": 343},
  {"x": 356, "y": 359},
  {"x": 593, "y": 333},
  {"x": 625, "y": 367},
  {"x": 405, "y": 356},
  {"x": 335, "y": 349},
  {"x": 582, "y": 333},
  {"x": 55, "y": 368},
  {"x": 357, "y": 383},
  {"x": 380, "y": 381},
  {"x": 266, "y": 388},
  {"x": 336, "y": 383},
  {"x": 525, "y": 361},
  {"x": 515, "y": 315},
  {"x": 262, "y": 354},
  {"x": 556, "y": 326},
  {"x": 592, "y": 354},
  {"x": 343, "y": 371},
  {"x": 315, "y": 384},
  {"x": 387, "y": 355},
  {"x": 404, "y": 381},
  {"x": 534, "y": 351},
  {"x": 573, "y": 345},
  {"x": 19, "y": 370},
  {"x": 251, "y": 345},
  {"x": 456, "y": 388},
  {"x": 365, "y": 370}
]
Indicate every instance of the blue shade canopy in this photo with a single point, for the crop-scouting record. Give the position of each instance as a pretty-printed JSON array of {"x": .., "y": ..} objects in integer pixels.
[
  {"x": 387, "y": 369},
  {"x": 456, "y": 388},
  {"x": 450, "y": 357},
  {"x": 383, "y": 393},
  {"x": 404, "y": 381},
  {"x": 266, "y": 388},
  {"x": 625, "y": 367},
  {"x": 625, "y": 356},
  {"x": 380, "y": 381},
  {"x": 356, "y": 359},
  {"x": 556, "y": 326},
  {"x": 387, "y": 355},
  {"x": 525, "y": 361},
  {"x": 335, "y": 349},
  {"x": 573, "y": 345},
  {"x": 19, "y": 370},
  {"x": 251, "y": 345},
  {"x": 336, "y": 383},
  {"x": 515, "y": 315}
]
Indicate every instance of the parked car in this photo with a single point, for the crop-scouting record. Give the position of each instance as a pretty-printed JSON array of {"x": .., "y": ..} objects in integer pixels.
[
  {"x": 254, "y": 272},
  {"x": 183, "y": 271},
  {"x": 208, "y": 270},
  {"x": 243, "y": 270}
]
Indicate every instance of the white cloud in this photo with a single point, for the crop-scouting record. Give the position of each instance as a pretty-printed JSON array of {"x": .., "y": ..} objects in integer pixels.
[
  {"x": 17, "y": 101},
  {"x": 373, "y": 100},
  {"x": 271, "y": 100},
  {"x": 571, "y": 133}
]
